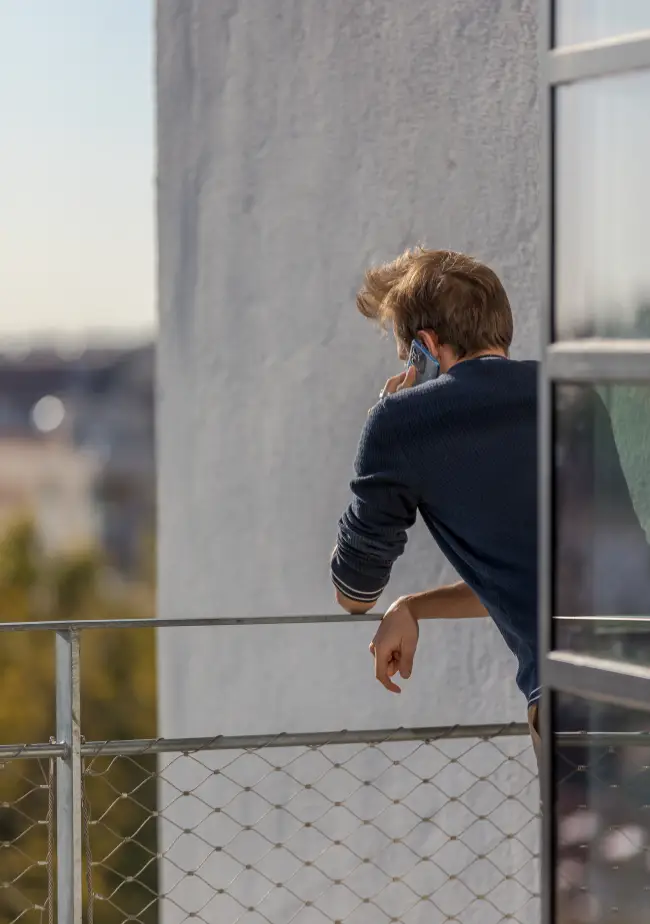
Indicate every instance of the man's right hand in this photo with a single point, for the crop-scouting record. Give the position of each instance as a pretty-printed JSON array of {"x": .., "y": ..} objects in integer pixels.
[
  {"x": 404, "y": 380},
  {"x": 400, "y": 382},
  {"x": 393, "y": 647}
]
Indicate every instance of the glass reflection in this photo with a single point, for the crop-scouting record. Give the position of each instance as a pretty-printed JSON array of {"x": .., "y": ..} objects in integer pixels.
[
  {"x": 602, "y": 204},
  {"x": 602, "y": 518},
  {"x": 602, "y": 821},
  {"x": 579, "y": 21}
]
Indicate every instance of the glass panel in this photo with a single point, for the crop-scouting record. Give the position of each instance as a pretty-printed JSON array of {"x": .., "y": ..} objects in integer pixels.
[
  {"x": 602, "y": 285},
  {"x": 602, "y": 820},
  {"x": 579, "y": 21},
  {"x": 602, "y": 519}
]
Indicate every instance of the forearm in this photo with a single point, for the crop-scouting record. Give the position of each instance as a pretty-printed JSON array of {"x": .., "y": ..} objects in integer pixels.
[
  {"x": 455, "y": 601},
  {"x": 354, "y": 607}
]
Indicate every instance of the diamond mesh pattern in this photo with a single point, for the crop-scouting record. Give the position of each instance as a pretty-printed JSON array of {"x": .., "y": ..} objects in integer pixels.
[
  {"x": 425, "y": 831},
  {"x": 26, "y": 841},
  {"x": 603, "y": 830}
]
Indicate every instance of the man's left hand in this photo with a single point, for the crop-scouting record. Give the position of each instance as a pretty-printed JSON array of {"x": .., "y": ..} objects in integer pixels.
[{"x": 393, "y": 647}]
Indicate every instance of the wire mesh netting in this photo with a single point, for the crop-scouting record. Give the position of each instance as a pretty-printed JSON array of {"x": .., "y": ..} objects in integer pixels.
[
  {"x": 420, "y": 831},
  {"x": 442, "y": 829},
  {"x": 26, "y": 841},
  {"x": 602, "y": 819}
]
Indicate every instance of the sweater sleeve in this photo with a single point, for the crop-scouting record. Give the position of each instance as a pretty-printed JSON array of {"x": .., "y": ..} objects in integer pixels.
[{"x": 372, "y": 531}]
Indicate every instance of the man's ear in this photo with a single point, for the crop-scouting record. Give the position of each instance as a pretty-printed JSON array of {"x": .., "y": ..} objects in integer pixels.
[{"x": 429, "y": 339}]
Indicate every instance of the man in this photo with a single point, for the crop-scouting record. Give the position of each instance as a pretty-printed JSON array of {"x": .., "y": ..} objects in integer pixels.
[{"x": 461, "y": 450}]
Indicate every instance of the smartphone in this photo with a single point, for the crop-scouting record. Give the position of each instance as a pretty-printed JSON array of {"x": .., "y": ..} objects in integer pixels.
[{"x": 426, "y": 367}]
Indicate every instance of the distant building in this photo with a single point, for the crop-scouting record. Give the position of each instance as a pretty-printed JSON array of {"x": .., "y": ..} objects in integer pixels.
[
  {"x": 103, "y": 425},
  {"x": 54, "y": 483}
]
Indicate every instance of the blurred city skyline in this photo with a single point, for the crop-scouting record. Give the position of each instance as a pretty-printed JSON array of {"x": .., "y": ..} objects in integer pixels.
[{"x": 77, "y": 196}]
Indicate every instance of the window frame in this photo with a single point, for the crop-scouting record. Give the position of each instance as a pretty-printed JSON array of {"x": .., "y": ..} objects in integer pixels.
[{"x": 588, "y": 361}]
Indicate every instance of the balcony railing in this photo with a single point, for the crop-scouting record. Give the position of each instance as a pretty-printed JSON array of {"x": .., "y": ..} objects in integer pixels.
[{"x": 363, "y": 827}]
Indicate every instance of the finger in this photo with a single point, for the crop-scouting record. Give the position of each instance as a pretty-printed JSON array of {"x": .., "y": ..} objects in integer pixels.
[
  {"x": 371, "y": 648},
  {"x": 409, "y": 379},
  {"x": 406, "y": 661},
  {"x": 382, "y": 660},
  {"x": 393, "y": 384}
]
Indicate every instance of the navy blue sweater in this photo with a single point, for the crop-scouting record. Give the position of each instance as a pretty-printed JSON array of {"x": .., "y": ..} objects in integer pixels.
[{"x": 461, "y": 450}]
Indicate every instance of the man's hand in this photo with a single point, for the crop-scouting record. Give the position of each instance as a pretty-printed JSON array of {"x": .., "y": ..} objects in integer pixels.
[
  {"x": 401, "y": 382},
  {"x": 393, "y": 647},
  {"x": 404, "y": 380}
]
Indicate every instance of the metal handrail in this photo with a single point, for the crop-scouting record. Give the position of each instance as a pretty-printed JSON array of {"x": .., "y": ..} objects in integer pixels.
[
  {"x": 427, "y": 734},
  {"x": 34, "y": 751},
  {"x": 71, "y": 625},
  {"x": 133, "y": 746},
  {"x": 303, "y": 739}
]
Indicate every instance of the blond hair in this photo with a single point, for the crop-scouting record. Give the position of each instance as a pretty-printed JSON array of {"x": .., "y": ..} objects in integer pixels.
[{"x": 454, "y": 295}]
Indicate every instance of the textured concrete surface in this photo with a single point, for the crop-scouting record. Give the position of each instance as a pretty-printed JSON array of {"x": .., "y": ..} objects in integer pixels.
[{"x": 298, "y": 141}]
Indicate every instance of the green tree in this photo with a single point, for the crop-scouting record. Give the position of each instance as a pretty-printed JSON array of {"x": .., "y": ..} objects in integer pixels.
[{"x": 118, "y": 695}]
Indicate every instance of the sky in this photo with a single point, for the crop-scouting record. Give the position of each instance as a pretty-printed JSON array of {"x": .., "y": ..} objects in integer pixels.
[
  {"x": 77, "y": 253},
  {"x": 76, "y": 169}
]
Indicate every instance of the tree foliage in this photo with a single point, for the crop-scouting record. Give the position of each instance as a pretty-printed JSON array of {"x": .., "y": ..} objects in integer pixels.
[{"x": 118, "y": 697}]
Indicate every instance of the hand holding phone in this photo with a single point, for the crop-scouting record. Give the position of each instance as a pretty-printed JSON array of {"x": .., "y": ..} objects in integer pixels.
[
  {"x": 426, "y": 367},
  {"x": 405, "y": 379}
]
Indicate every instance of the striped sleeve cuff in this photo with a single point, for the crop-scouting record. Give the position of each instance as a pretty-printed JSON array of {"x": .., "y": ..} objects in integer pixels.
[
  {"x": 534, "y": 695},
  {"x": 354, "y": 585}
]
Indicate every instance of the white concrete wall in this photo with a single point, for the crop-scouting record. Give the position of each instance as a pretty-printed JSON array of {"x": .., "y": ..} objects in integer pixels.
[{"x": 298, "y": 141}]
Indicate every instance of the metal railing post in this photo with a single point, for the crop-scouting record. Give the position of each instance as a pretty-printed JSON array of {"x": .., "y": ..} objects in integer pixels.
[{"x": 68, "y": 780}]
